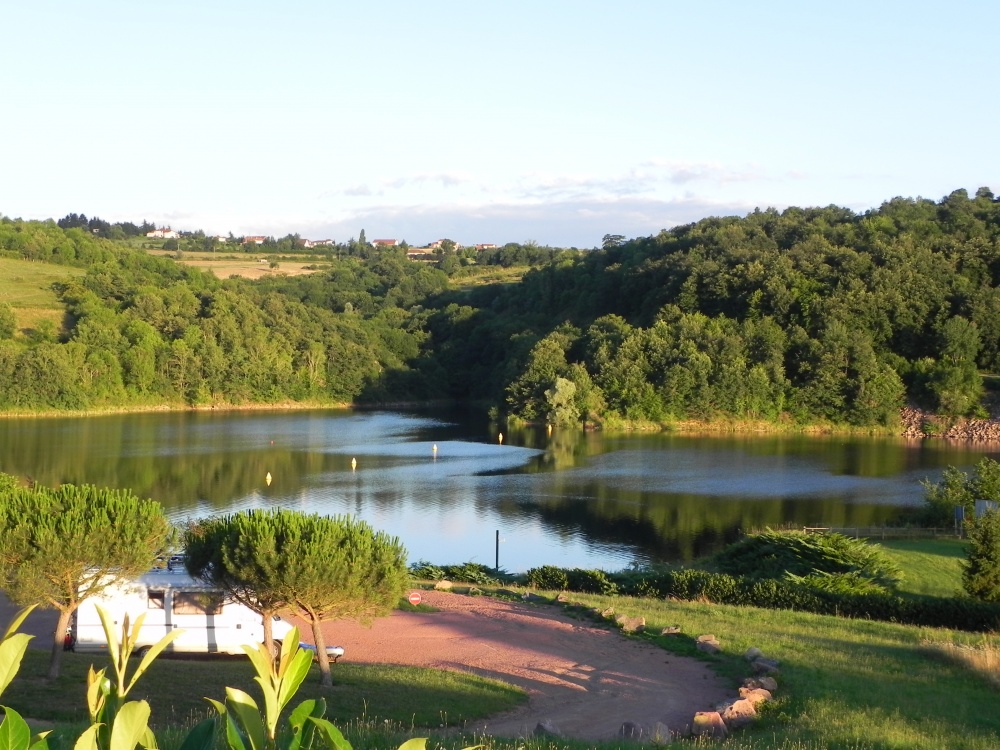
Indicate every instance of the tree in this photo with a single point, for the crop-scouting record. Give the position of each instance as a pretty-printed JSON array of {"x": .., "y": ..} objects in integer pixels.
[
  {"x": 237, "y": 554},
  {"x": 318, "y": 567},
  {"x": 981, "y": 567},
  {"x": 8, "y": 321},
  {"x": 61, "y": 546}
]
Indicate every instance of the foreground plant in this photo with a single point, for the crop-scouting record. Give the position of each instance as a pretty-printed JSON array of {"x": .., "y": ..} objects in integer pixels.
[{"x": 15, "y": 734}]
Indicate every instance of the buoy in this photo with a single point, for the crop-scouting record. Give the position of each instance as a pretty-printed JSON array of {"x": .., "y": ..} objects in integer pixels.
[
  {"x": 501, "y": 438},
  {"x": 354, "y": 464},
  {"x": 267, "y": 478}
]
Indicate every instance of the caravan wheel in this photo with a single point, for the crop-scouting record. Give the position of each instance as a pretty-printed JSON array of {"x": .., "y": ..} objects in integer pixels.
[
  {"x": 142, "y": 651},
  {"x": 276, "y": 649}
]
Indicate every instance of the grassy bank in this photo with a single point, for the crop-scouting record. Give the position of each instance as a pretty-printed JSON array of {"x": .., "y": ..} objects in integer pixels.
[
  {"x": 931, "y": 567},
  {"x": 176, "y": 690}
]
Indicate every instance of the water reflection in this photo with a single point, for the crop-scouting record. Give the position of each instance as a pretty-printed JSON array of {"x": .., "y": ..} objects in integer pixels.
[{"x": 572, "y": 498}]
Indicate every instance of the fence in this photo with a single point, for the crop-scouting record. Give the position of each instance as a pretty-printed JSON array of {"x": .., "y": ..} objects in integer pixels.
[{"x": 883, "y": 532}]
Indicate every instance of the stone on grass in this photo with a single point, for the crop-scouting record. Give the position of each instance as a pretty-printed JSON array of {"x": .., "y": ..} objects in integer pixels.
[
  {"x": 766, "y": 666},
  {"x": 708, "y": 644},
  {"x": 761, "y": 681},
  {"x": 709, "y": 724},
  {"x": 631, "y": 624},
  {"x": 755, "y": 695},
  {"x": 661, "y": 734},
  {"x": 753, "y": 653},
  {"x": 562, "y": 598},
  {"x": 739, "y": 714},
  {"x": 671, "y": 630},
  {"x": 608, "y": 613},
  {"x": 630, "y": 731},
  {"x": 547, "y": 729},
  {"x": 443, "y": 586}
]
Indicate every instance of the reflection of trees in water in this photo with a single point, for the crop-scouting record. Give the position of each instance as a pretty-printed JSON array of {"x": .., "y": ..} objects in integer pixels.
[{"x": 681, "y": 527}]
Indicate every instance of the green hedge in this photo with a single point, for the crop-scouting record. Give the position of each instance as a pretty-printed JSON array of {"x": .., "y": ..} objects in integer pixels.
[{"x": 720, "y": 588}]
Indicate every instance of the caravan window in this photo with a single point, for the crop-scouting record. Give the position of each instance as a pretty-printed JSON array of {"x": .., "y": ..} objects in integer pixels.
[
  {"x": 154, "y": 600},
  {"x": 197, "y": 603}
]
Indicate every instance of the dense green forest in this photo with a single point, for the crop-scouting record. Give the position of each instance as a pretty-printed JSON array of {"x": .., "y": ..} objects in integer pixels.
[{"x": 808, "y": 315}]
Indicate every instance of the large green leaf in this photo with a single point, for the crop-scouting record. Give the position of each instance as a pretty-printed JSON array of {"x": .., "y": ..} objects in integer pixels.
[
  {"x": 331, "y": 734},
  {"x": 88, "y": 740},
  {"x": 11, "y": 652},
  {"x": 18, "y": 619},
  {"x": 415, "y": 743},
  {"x": 14, "y": 732},
  {"x": 298, "y": 670},
  {"x": 244, "y": 710},
  {"x": 130, "y": 725},
  {"x": 202, "y": 736}
]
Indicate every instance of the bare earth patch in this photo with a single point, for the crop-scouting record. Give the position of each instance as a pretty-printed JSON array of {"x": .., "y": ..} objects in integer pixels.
[{"x": 586, "y": 679}]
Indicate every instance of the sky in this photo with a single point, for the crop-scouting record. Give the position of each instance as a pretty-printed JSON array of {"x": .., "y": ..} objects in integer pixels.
[{"x": 488, "y": 122}]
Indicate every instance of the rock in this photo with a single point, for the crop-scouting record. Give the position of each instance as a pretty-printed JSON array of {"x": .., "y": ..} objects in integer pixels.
[
  {"x": 631, "y": 624},
  {"x": 661, "y": 734},
  {"x": 608, "y": 613},
  {"x": 709, "y": 724},
  {"x": 708, "y": 644},
  {"x": 547, "y": 729},
  {"x": 443, "y": 586},
  {"x": 762, "y": 682},
  {"x": 766, "y": 666},
  {"x": 768, "y": 683},
  {"x": 630, "y": 731},
  {"x": 562, "y": 599},
  {"x": 671, "y": 630},
  {"x": 753, "y": 653},
  {"x": 739, "y": 714},
  {"x": 755, "y": 695}
]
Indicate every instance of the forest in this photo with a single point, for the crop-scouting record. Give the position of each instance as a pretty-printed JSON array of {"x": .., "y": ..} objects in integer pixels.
[{"x": 801, "y": 316}]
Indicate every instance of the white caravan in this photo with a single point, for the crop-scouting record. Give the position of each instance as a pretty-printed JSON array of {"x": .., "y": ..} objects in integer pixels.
[{"x": 173, "y": 600}]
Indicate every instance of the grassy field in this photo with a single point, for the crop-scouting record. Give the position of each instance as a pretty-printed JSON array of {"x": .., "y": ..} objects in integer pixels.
[
  {"x": 27, "y": 287},
  {"x": 247, "y": 265},
  {"x": 403, "y": 697},
  {"x": 932, "y": 567}
]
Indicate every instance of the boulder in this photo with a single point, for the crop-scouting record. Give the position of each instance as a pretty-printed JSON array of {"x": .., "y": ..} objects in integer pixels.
[
  {"x": 708, "y": 644},
  {"x": 762, "y": 682},
  {"x": 709, "y": 724},
  {"x": 631, "y": 624},
  {"x": 671, "y": 630},
  {"x": 562, "y": 599},
  {"x": 630, "y": 731},
  {"x": 608, "y": 613},
  {"x": 765, "y": 666},
  {"x": 547, "y": 729},
  {"x": 443, "y": 586},
  {"x": 755, "y": 695},
  {"x": 753, "y": 653},
  {"x": 739, "y": 714},
  {"x": 661, "y": 734}
]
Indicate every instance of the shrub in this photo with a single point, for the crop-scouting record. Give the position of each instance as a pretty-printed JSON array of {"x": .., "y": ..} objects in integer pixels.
[
  {"x": 548, "y": 577},
  {"x": 591, "y": 582},
  {"x": 775, "y": 554}
]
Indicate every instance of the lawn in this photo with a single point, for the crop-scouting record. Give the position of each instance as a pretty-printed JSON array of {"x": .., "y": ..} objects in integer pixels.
[
  {"x": 931, "y": 567},
  {"x": 27, "y": 287}
]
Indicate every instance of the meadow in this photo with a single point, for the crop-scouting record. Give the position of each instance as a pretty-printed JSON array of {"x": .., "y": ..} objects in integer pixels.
[{"x": 27, "y": 287}]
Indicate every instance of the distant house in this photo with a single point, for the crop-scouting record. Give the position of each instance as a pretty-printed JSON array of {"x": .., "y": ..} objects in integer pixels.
[
  {"x": 385, "y": 243},
  {"x": 315, "y": 243},
  {"x": 421, "y": 255},
  {"x": 254, "y": 239},
  {"x": 486, "y": 246},
  {"x": 164, "y": 234}
]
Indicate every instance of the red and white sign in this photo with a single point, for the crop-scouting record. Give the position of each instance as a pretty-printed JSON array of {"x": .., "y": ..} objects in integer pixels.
[{"x": 414, "y": 598}]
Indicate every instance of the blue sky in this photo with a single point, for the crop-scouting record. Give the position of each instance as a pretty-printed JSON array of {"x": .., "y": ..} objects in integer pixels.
[{"x": 554, "y": 121}]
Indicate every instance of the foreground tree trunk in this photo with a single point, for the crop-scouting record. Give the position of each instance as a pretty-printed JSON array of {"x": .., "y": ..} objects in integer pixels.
[
  {"x": 325, "y": 678},
  {"x": 58, "y": 643}
]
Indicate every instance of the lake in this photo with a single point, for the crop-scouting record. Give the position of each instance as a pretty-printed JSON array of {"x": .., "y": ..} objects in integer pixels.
[{"x": 571, "y": 499}]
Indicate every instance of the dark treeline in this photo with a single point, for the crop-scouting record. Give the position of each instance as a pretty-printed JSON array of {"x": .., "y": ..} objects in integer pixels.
[{"x": 805, "y": 315}]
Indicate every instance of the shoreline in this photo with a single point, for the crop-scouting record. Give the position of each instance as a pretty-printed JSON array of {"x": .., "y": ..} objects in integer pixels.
[{"x": 915, "y": 424}]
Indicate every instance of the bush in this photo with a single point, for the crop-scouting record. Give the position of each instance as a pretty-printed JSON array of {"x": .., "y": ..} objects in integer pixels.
[
  {"x": 591, "y": 582},
  {"x": 548, "y": 577},
  {"x": 777, "y": 554},
  {"x": 981, "y": 569}
]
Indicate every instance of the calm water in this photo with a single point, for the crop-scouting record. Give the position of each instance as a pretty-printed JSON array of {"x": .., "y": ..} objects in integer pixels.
[{"x": 569, "y": 499}]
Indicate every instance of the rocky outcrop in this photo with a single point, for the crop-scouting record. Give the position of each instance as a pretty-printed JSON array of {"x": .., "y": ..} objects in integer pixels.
[
  {"x": 921, "y": 424},
  {"x": 707, "y": 644}
]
